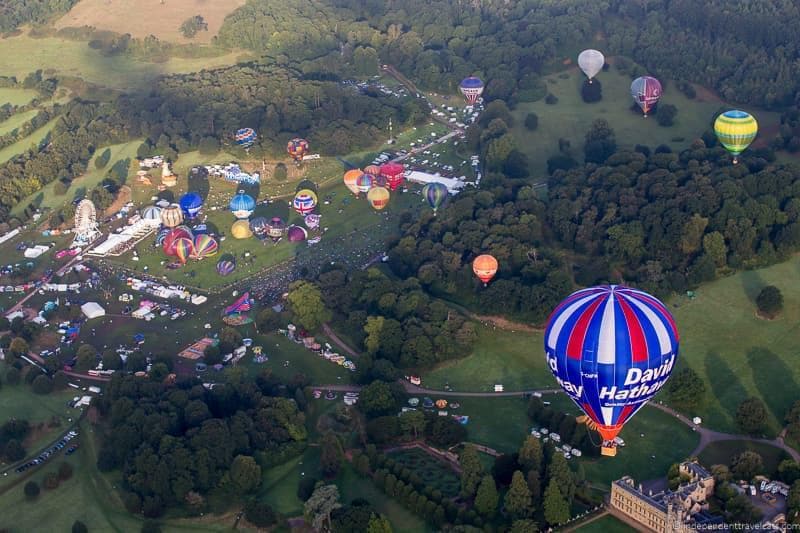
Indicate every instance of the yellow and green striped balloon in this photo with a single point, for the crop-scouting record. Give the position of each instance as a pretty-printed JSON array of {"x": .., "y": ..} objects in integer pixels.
[{"x": 735, "y": 131}]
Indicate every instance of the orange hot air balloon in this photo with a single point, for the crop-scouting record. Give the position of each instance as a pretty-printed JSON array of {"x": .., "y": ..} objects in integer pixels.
[
  {"x": 351, "y": 179},
  {"x": 485, "y": 267}
]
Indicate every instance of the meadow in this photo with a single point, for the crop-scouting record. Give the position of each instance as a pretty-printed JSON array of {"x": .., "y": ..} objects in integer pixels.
[
  {"x": 31, "y": 141},
  {"x": 571, "y": 117},
  {"x": 606, "y": 524},
  {"x": 16, "y": 96},
  {"x": 16, "y": 120}
]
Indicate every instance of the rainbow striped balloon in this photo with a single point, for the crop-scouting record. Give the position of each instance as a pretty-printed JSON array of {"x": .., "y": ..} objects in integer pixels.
[{"x": 735, "y": 130}]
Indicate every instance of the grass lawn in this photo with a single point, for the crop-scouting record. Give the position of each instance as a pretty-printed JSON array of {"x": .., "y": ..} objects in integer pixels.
[
  {"x": 280, "y": 349},
  {"x": 737, "y": 353},
  {"x": 500, "y": 423},
  {"x": 722, "y": 453},
  {"x": 351, "y": 486},
  {"x": 433, "y": 472},
  {"x": 46, "y": 198},
  {"x": 74, "y": 58},
  {"x": 16, "y": 120},
  {"x": 606, "y": 524},
  {"x": 16, "y": 96},
  {"x": 571, "y": 118},
  {"x": 32, "y": 140},
  {"x": 279, "y": 484},
  {"x": 514, "y": 359}
]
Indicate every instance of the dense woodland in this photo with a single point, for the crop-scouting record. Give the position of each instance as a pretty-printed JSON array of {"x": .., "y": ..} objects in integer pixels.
[
  {"x": 16, "y": 12},
  {"x": 176, "y": 444}
]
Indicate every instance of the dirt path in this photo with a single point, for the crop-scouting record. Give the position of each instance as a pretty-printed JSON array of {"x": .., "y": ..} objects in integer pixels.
[{"x": 330, "y": 333}]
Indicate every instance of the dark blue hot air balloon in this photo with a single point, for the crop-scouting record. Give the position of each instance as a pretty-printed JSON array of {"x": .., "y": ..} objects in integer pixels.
[
  {"x": 611, "y": 348},
  {"x": 190, "y": 203},
  {"x": 245, "y": 137}
]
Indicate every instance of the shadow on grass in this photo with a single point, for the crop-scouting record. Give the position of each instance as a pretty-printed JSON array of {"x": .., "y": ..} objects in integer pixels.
[
  {"x": 752, "y": 283},
  {"x": 772, "y": 377},
  {"x": 725, "y": 385}
]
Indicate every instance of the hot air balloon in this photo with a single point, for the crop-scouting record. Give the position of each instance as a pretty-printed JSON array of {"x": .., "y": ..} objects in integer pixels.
[
  {"x": 379, "y": 181},
  {"x": 259, "y": 227},
  {"x": 241, "y": 230},
  {"x": 151, "y": 213},
  {"x": 184, "y": 248},
  {"x": 245, "y": 137},
  {"x": 197, "y": 229},
  {"x": 190, "y": 203},
  {"x": 275, "y": 229},
  {"x": 472, "y": 89},
  {"x": 225, "y": 267},
  {"x": 364, "y": 183},
  {"x": 304, "y": 201},
  {"x": 485, "y": 267},
  {"x": 161, "y": 235},
  {"x": 296, "y": 234},
  {"x": 591, "y": 63},
  {"x": 435, "y": 194},
  {"x": 171, "y": 216},
  {"x": 204, "y": 246},
  {"x": 735, "y": 131},
  {"x": 393, "y": 172},
  {"x": 646, "y": 91},
  {"x": 168, "y": 244},
  {"x": 297, "y": 148},
  {"x": 611, "y": 348},
  {"x": 312, "y": 221},
  {"x": 351, "y": 180},
  {"x": 378, "y": 197},
  {"x": 372, "y": 170},
  {"x": 242, "y": 205}
]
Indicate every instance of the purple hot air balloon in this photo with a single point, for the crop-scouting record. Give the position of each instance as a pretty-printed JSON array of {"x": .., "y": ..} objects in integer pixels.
[
  {"x": 611, "y": 348},
  {"x": 646, "y": 91},
  {"x": 296, "y": 234}
]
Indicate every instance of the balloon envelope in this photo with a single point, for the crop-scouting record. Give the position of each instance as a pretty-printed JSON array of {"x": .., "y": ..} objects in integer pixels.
[
  {"x": 364, "y": 182},
  {"x": 275, "y": 228},
  {"x": 591, "y": 62},
  {"x": 435, "y": 194},
  {"x": 372, "y": 170},
  {"x": 304, "y": 201},
  {"x": 296, "y": 234},
  {"x": 297, "y": 148},
  {"x": 485, "y": 267},
  {"x": 245, "y": 137},
  {"x": 393, "y": 172},
  {"x": 242, "y": 205},
  {"x": 646, "y": 91},
  {"x": 168, "y": 244},
  {"x": 471, "y": 88},
  {"x": 735, "y": 130},
  {"x": 351, "y": 180},
  {"x": 204, "y": 246},
  {"x": 151, "y": 213},
  {"x": 171, "y": 216},
  {"x": 190, "y": 203},
  {"x": 378, "y": 197},
  {"x": 184, "y": 248},
  {"x": 611, "y": 348},
  {"x": 241, "y": 230},
  {"x": 259, "y": 227},
  {"x": 225, "y": 267}
]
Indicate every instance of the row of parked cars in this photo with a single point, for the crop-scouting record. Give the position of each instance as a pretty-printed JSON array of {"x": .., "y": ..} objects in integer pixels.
[{"x": 58, "y": 446}]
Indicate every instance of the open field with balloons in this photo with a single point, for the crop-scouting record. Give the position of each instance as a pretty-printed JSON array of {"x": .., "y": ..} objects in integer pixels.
[{"x": 570, "y": 118}]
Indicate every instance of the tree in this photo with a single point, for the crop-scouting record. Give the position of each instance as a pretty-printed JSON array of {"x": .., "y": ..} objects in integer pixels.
[
  {"x": 793, "y": 502},
  {"x": 281, "y": 172},
  {"x": 524, "y": 526},
  {"x": 79, "y": 527},
  {"x": 13, "y": 450},
  {"x": 31, "y": 490},
  {"x": 516, "y": 165},
  {"x": 556, "y": 508},
  {"x": 751, "y": 416},
  {"x": 412, "y": 422},
  {"x": 305, "y": 301},
  {"x": 379, "y": 524},
  {"x": 102, "y": 159},
  {"x": 111, "y": 360},
  {"x": 769, "y": 301},
  {"x": 64, "y": 471},
  {"x": 18, "y": 347},
  {"x": 268, "y": 320},
  {"x": 445, "y": 431},
  {"x": 789, "y": 471},
  {"x": 486, "y": 498},
  {"x": 599, "y": 142},
  {"x": 320, "y": 505},
  {"x": 245, "y": 474},
  {"x": 559, "y": 470},
  {"x": 530, "y": 454},
  {"x": 592, "y": 92},
  {"x": 531, "y": 121},
  {"x": 377, "y": 399},
  {"x": 517, "y": 502},
  {"x": 686, "y": 389},
  {"x": 42, "y": 385},
  {"x": 665, "y": 115},
  {"x": 86, "y": 358},
  {"x": 212, "y": 355},
  {"x": 259, "y": 514},
  {"x": 747, "y": 465},
  {"x": 192, "y": 25},
  {"x": 471, "y": 470},
  {"x": 12, "y": 376},
  {"x": 332, "y": 455},
  {"x": 714, "y": 247},
  {"x": 50, "y": 481}
]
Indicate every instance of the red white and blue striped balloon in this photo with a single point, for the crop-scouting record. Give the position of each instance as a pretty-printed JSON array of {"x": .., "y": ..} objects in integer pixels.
[{"x": 611, "y": 348}]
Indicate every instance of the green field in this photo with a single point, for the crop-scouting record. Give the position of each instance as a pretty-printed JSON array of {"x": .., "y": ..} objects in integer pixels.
[
  {"x": 46, "y": 198},
  {"x": 606, "y": 524},
  {"x": 22, "y": 54},
  {"x": 737, "y": 353},
  {"x": 515, "y": 360},
  {"x": 500, "y": 423},
  {"x": 31, "y": 141},
  {"x": 15, "y": 121},
  {"x": 724, "y": 451},
  {"x": 15, "y": 96},
  {"x": 571, "y": 118}
]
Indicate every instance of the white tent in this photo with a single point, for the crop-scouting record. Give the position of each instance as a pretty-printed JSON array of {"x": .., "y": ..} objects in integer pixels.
[{"x": 92, "y": 310}]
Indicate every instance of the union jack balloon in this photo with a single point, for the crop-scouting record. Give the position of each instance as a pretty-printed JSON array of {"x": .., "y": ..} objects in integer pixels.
[{"x": 611, "y": 348}]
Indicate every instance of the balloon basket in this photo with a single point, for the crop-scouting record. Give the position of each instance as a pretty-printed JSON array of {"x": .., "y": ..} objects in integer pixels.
[{"x": 609, "y": 449}]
